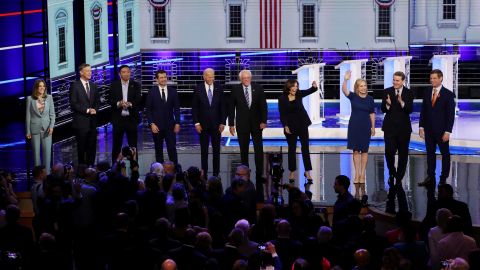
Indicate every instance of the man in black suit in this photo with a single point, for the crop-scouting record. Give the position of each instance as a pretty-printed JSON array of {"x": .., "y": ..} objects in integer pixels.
[
  {"x": 125, "y": 98},
  {"x": 436, "y": 123},
  {"x": 84, "y": 101},
  {"x": 250, "y": 104},
  {"x": 163, "y": 113},
  {"x": 209, "y": 113},
  {"x": 397, "y": 104}
]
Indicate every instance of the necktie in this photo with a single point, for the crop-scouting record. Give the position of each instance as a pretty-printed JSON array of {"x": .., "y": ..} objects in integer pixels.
[
  {"x": 247, "y": 97},
  {"x": 163, "y": 95},
  {"x": 87, "y": 87},
  {"x": 210, "y": 95},
  {"x": 435, "y": 96}
]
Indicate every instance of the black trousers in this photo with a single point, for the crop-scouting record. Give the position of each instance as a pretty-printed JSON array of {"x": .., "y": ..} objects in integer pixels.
[
  {"x": 392, "y": 145},
  {"x": 431, "y": 144},
  {"x": 86, "y": 145},
  {"x": 170, "y": 140},
  {"x": 302, "y": 134},
  {"x": 124, "y": 126},
  {"x": 206, "y": 136},
  {"x": 244, "y": 142},
  {"x": 396, "y": 190}
]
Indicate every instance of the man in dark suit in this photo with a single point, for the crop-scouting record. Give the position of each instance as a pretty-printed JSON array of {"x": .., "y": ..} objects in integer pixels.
[
  {"x": 397, "y": 104},
  {"x": 84, "y": 101},
  {"x": 163, "y": 113},
  {"x": 209, "y": 113},
  {"x": 125, "y": 98},
  {"x": 250, "y": 104},
  {"x": 436, "y": 124}
]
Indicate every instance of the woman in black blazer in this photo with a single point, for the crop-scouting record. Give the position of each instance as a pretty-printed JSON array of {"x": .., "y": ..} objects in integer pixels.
[{"x": 295, "y": 122}]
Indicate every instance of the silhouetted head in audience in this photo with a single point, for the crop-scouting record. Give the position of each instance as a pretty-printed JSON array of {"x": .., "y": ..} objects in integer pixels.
[
  {"x": 459, "y": 264},
  {"x": 235, "y": 238},
  {"x": 47, "y": 242},
  {"x": 362, "y": 258},
  {"x": 151, "y": 182},
  {"x": 190, "y": 237},
  {"x": 283, "y": 229},
  {"x": 39, "y": 173},
  {"x": 324, "y": 235},
  {"x": 81, "y": 170},
  {"x": 403, "y": 218},
  {"x": 122, "y": 221},
  {"x": 169, "y": 167},
  {"x": 214, "y": 187},
  {"x": 167, "y": 182},
  {"x": 58, "y": 171},
  {"x": 162, "y": 227},
  {"x": 157, "y": 168},
  {"x": 169, "y": 265},
  {"x": 445, "y": 192},
  {"x": 267, "y": 214},
  {"x": 300, "y": 264},
  {"x": 442, "y": 216},
  {"x": 103, "y": 166},
  {"x": 204, "y": 241},
  {"x": 369, "y": 223},
  {"x": 193, "y": 175},
  {"x": 454, "y": 224},
  {"x": 12, "y": 214},
  {"x": 242, "y": 172},
  {"x": 341, "y": 185},
  {"x": 299, "y": 208},
  {"x": 178, "y": 192},
  {"x": 238, "y": 186},
  {"x": 90, "y": 175},
  {"x": 240, "y": 265},
  {"x": 243, "y": 225},
  {"x": 391, "y": 258}
]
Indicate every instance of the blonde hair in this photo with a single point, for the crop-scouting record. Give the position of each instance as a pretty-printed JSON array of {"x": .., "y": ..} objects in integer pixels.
[{"x": 357, "y": 85}]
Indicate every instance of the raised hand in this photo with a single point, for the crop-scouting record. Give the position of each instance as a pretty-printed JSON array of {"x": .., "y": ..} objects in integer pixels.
[{"x": 348, "y": 75}]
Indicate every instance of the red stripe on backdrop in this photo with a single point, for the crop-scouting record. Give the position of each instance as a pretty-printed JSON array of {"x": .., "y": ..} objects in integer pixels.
[
  {"x": 271, "y": 25},
  {"x": 275, "y": 33},
  {"x": 261, "y": 27},
  {"x": 265, "y": 25},
  {"x": 280, "y": 25}
]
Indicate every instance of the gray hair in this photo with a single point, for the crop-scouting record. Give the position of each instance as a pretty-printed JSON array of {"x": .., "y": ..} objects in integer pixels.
[
  {"x": 208, "y": 70},
  {"x": 245, "y": 71}
]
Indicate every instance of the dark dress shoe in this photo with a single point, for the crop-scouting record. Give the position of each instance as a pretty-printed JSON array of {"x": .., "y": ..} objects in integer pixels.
[{"x": 427, "y": 182}]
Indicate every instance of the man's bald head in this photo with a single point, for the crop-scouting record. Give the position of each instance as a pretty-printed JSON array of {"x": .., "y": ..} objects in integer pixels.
[{"x": 169, "y": 265}]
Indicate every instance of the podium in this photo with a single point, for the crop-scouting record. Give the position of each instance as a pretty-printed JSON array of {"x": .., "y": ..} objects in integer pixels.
[
  {"x": 448, "y": 64},
  {"x": 313, "y": 103},
  {"x": 359, "y": 71},
  {"x": 394, "y": 64}
]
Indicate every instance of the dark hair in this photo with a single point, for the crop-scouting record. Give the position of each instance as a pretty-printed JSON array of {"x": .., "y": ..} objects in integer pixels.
[
  {"x": 399, "y": 74},
  {"x": 237, "y": 183},
  {"x": 454, "y": 224},
  {"x": 122, "y": 67},
  {"x": 438, "y": 72},
  {"x": 167, "y": 181},
  {"x": 178, "y": 192},
  {"x": 300, "y": 264},
  {"x": 12, "y": 214},
  {"x": 289, "y": 84},
  {"x": 151, "y": 182},
  {"x": 36, "y": 85},
  {"x": 343, "y": 180},
  {"x": 160, "y": 71},
  {"x": 446, "y": 188},
  {"x": 82, "y": 66},
  {"x": 37, "y": 170}
]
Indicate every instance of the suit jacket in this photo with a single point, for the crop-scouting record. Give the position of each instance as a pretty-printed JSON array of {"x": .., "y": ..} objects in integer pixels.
[
  {"x": 209, "y": 116},
  {"x": 80, "y": 102},
  {"x": 134, "y": 96},
  {"x": 294, "y": 115},
  {"x": 164, "y": 114},
  {"x": 397, "y": 119},
  {"x": 37, "y": 122},
  {"x": 438, "y": 119},
  {"x": 247, "y": 118}
]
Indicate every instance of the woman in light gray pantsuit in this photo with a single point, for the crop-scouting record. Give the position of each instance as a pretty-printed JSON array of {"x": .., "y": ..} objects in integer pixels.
[{"x": 39, "y": 123}]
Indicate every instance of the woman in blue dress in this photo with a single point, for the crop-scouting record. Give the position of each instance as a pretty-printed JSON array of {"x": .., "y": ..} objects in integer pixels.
[{"x": 361, "y": 128}]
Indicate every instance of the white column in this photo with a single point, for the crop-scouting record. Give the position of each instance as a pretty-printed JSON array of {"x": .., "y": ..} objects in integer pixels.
[
  {"x": 473, "y": 29},
  {"x": 419, "y": 31}
]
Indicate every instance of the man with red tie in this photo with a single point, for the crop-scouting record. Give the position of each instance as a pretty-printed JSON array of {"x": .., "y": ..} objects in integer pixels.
[{"x": 436, "y": 123}]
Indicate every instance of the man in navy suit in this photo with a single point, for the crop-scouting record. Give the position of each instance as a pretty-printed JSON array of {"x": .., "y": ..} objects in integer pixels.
[
  {"x": 84, "y": 101},
  {"x": 163, "y": 113},
  {"x": 208, "y": 110},
  {"x": 125, "y": 98},
  {"x": 397, "y": 104},
  {"x": 436, "y": 123}
]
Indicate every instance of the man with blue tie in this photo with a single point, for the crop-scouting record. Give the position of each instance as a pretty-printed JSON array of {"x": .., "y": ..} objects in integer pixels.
[
  {"x": 208, "y": 111},
  {"x": 163, "y": 114},
  {"x": 436, "y": 123},
  {"x": 248, "y": 116}
]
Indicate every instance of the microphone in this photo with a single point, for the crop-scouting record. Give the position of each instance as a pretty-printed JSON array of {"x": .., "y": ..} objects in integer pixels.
[{"x": 348, "y": 46}]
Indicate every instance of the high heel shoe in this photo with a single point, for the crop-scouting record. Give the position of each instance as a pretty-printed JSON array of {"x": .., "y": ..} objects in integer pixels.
[{"x": 308, "y": 181}]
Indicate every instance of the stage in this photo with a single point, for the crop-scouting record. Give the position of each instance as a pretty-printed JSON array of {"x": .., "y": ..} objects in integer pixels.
[{"x": 328, "y": 153}]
